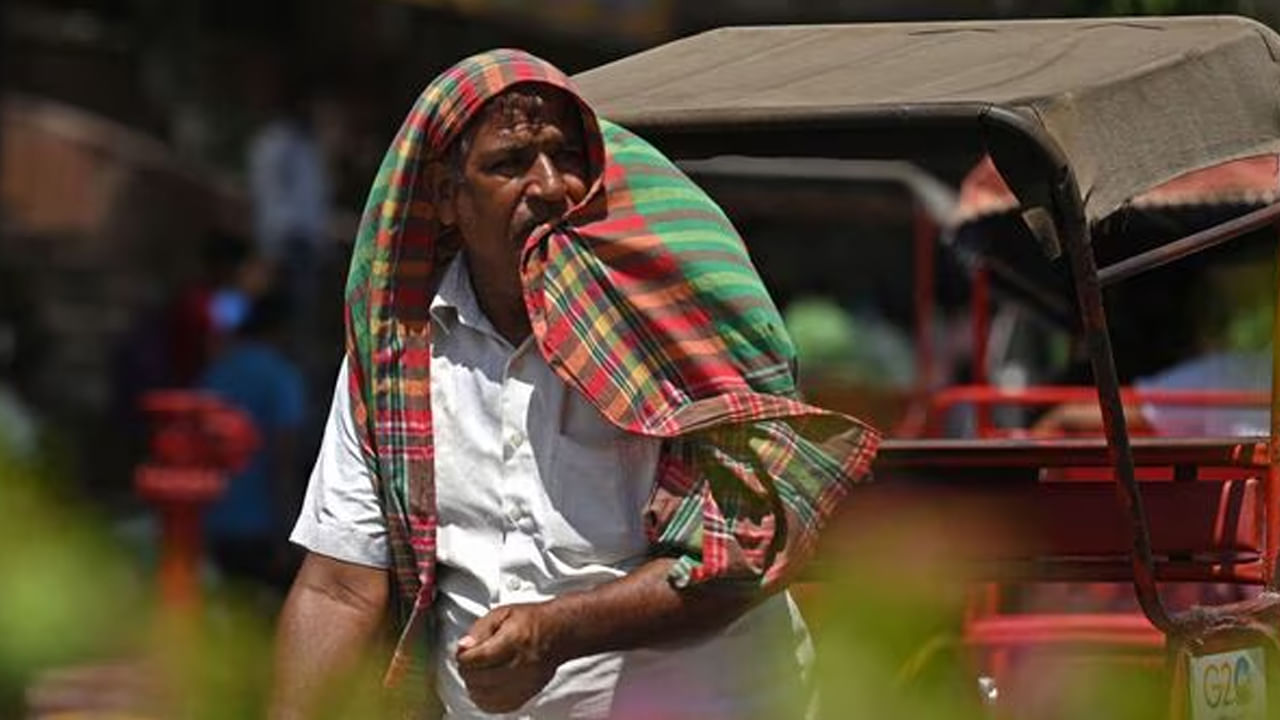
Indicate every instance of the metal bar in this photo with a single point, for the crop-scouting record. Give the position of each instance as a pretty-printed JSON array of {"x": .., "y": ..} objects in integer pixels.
[
  {"x": 916, "y": 420},
  {"x": 1068, "y": 210},
  {"x": 1038, "y": 629},
  {"x": 896, "y": 454},
  {"x": 1271, "y": 511},
  {"x": 1190, "y": 245},
  {"x": 931, "y": 195},
  {"x": 1241, "y": 570},
  {"x": 947, "y": 398},
  {"x": 1084, "y": 271},
  {"x": 980, "y": 321},
  {"x": 925, "y": 238}
]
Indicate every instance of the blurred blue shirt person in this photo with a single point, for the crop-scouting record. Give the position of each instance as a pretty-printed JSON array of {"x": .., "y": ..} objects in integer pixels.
[
  {"x": 1218, "y": 371},
  {"x": 248, "y": 526}
]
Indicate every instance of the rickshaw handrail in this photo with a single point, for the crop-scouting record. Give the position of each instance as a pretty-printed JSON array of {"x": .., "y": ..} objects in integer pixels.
[
  {"x": 933, "y": 195},
  {"x": 942, "y": 401},
  {"x": 1069, "y": 452},
  {"x": 1048, "y": 394},
  {"x": 1189, "y": 245}
]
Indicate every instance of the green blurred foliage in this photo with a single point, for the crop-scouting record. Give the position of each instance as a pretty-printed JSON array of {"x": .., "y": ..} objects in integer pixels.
[
  {"x": 63, "y": 590},
  {"x": 888, "y": 619},
  {"x": 82, "y": 634},
  {"x": 887, "y": 623}
]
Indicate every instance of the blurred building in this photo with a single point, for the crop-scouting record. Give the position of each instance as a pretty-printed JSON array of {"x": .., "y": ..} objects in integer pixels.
[{"x": 99, "y": 223}]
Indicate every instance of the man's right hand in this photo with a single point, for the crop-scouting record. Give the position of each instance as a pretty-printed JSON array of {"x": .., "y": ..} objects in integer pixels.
[
  {"x": 332, "y": 613},
  {"x": 509, "y": 655}
]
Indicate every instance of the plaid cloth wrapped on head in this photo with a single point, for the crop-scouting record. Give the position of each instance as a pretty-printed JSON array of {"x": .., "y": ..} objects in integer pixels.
[{"x": 644, "y": 300}]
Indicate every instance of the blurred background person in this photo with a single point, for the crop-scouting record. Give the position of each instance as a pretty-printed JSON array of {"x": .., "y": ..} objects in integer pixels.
[
  {"x": 289, "y": 189},
  {"x": 1232, "y": 311},
  {"x": 209, "y": 305},
  {"x": 1234, "y": 318},
  {"x": 247, "y": 526}
]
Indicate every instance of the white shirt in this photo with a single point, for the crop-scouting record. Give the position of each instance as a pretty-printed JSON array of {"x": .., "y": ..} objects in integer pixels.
[{"x": 538, "y": 495}]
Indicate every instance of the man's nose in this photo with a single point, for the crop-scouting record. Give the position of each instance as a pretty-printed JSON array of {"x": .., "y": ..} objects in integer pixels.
[{"x": 547, "y": 182}]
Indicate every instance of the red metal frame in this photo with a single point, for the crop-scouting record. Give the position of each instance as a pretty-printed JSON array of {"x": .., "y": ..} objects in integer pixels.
[
  {"x": 988, "y": 396},
  {"x": 980, "y": 322},
  {"x": 1273, "y": 469},
  {"x": 925, "y": 236}
]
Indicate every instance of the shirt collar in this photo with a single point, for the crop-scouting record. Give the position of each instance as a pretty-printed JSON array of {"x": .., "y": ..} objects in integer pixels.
[{"x": 455, "y": 301}]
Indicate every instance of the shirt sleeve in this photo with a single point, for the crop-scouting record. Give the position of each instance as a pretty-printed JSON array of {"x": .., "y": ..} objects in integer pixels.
[{"x": 341, "y": 514}]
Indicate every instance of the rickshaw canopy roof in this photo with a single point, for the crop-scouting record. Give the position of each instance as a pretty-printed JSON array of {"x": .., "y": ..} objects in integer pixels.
[{"x": 1130, "y": 103}]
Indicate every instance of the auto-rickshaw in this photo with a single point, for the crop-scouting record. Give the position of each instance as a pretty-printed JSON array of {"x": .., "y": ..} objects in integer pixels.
[{"x": 1079, "y": 117}]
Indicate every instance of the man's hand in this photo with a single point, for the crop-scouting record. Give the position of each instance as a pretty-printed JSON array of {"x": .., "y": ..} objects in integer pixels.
[{"x": 509, "y": 655}]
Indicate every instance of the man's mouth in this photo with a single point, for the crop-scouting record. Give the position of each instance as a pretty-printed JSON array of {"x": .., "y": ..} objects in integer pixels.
[{"x": 527, "y": 228}]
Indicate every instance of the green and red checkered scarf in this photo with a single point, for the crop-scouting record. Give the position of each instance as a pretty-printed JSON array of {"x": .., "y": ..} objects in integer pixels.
[{"x": 644, "y": 300}]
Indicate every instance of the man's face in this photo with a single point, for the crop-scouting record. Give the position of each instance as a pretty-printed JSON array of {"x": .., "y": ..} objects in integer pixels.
[{"x": 525, "y": 164}]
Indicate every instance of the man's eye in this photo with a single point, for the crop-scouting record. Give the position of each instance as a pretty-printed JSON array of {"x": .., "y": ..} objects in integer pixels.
[
  {"x": 509, "y": 163},
  {"x": 504, "y": 166},
  {"x": 570, "y": 157}
]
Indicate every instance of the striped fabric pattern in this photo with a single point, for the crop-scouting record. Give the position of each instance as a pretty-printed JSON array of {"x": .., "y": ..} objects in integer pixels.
[{"x": 643, "y": 299}]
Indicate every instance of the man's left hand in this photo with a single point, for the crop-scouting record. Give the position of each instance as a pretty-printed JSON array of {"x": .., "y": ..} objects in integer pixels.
[{"x": 508, "y": 656}]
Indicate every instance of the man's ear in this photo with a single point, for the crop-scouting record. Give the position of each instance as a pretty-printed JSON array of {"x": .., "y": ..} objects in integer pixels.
[{"x": 442, "y": 188}]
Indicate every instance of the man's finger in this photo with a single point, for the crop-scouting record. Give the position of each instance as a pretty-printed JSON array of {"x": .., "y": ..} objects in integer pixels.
[
  {"x": 482, "y": 630},
  {"x": 495, "y": 650}
]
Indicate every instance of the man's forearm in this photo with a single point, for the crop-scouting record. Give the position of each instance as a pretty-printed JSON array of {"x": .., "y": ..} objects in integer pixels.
[
  {"x": 510, "y": 654},
  {"x": 332, "y": 614},
  {"x": 639, "y": 610}
]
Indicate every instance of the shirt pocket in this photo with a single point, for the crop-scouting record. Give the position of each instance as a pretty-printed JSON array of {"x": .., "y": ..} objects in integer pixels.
[{"x": 601, "y": 480}]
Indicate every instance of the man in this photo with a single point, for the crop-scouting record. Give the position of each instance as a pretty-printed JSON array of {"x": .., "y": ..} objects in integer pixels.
[{"x": 574, "y": 444}]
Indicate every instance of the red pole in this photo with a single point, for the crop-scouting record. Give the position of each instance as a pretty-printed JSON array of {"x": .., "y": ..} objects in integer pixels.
[
  {"x": 926, "y": 234},
  {"x": 180, "y": 555},
  {"x": 1271, "y": 542},
  {"x": 179, "y": 495}
]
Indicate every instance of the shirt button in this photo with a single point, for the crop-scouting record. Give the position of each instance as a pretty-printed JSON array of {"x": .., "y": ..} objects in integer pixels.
[
  {"x": 517, "y": 439},
  {"x": 525, "y": 524},
  {"x": 513, "y": 583}
]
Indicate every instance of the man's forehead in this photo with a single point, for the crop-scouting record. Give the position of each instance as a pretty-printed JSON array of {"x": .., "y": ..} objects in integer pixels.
[{"x": 530, "y": 107}]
